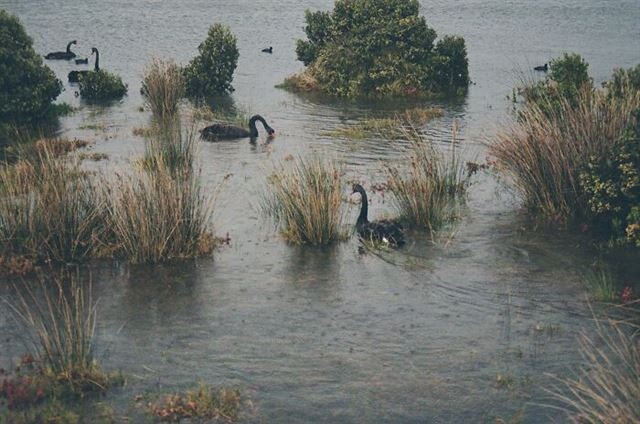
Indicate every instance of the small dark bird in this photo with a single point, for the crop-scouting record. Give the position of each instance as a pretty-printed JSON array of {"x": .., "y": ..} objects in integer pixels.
[
  {"x": 66, "y": 55},
  {"x": 82, "y": 61},
  {"x": 385, "y": 230},
  {"x": 268, "y": 50},
  {"x": 217, "y": 132},
  {"x": 543, "y": 68},
  {"x": 74, "y": 76}
]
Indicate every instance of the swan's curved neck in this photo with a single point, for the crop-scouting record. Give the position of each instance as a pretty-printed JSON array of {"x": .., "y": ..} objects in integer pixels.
[
  {"x": 364, "y": 208},
  {"x": 252, "y": 125},
  {"x": 97, "y": 64},
  {"x": 69, "y": 47}
]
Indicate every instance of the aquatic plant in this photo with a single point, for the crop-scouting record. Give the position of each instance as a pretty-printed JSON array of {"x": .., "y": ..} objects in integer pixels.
[
  {"x": 163, "y": 87},
  {"x": 27, "y": 86},
  {"x": 425, "y": 192},
  {"x": 211, "y": 72},
  {"x": 601, "y": 285},
  {"x": 101, "y": 85},
  {"x": 304, "y": 196},
  {"x": 169, "y": 146},
  {"x": 202, "y": 403},
  {"x": 355, "y": 50}
]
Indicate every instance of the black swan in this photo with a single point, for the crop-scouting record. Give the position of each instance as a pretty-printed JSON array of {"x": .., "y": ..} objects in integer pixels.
[
  {"x": 385, "y": 230},
  {"x": 68, "y": 55},
  {"x": 82, "y": 61},
  {"x": 217, "y": 132},
  {"x": 268, "y": 50},
  {"x": 543, "y": 68},
  {"x": 74, "y": 76}
]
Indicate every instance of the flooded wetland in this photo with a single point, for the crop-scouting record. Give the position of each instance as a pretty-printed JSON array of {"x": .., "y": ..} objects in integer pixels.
[{"x": 472, "y": 323}]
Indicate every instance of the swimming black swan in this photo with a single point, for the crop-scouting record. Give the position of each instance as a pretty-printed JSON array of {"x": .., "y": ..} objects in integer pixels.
[
  {"x": 74, "y": 76},
  {"x": 268, "y": 50},
  {"x": 68, "y": 55},
  {"x": 385, "y": 230},
  {"x": 543, "y": 68},
  {"x": 82, "y": 61},
  {"x": 217, "y": 132}
]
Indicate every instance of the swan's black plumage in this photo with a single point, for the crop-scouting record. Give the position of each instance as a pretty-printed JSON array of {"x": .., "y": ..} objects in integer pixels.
[
  {"x": 217, "y": 132},
  {"x": 384, "y": 230},
  {"x": 74, "y": 76},
  {"x": 66, "y": 55},
  {"x": 82, "y": 61},
  {"x": 268, "y": 50},
  {"x": 543, "y": 68}
]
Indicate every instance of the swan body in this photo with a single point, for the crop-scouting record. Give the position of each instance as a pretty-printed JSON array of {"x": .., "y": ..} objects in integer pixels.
[
  {"x": 74, "y": 76},
  {"x": 217, "y": 132},
  {"x": 543, "y": 68},
  {"x": 386, "y": 231},
  {"x": 66, "y": 55},
  {"x": 268, "y": 50}
]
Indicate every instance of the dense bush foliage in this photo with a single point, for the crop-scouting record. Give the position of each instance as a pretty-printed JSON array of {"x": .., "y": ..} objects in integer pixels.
[
  {"x": 101, "y": 85},
  {"x": 380, "y": 47},
  {"x": 27, "y": 87},
  {"x": 612, "y": 185},
  {"x": 623, "y": 80},
  {"x": 211, "y": 72}
]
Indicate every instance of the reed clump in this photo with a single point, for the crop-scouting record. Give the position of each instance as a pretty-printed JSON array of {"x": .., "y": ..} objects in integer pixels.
[
  {"x": 304, "y": 196},
  {"x": 426, "y": 192},
  {"x": 163, "y": 87},
  {"x": 169, "y": 146}
]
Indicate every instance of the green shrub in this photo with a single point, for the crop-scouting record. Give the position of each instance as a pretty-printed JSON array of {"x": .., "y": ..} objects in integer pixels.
[
  {"x": 27, "y": 87},
  {"x": 211, "y": 72},
  {"x": 624, "y": 79},
  {"x": 611, "y": 183},
  {"x": 380, "y": 47},
  {"x": 102, "y": 85}
]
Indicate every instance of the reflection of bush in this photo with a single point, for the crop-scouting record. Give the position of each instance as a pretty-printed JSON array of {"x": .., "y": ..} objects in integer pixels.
[{"x": 380, "y": 47}]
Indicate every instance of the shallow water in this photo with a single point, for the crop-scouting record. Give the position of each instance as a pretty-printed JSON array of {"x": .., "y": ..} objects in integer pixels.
[{"x": 418, "y": 335}]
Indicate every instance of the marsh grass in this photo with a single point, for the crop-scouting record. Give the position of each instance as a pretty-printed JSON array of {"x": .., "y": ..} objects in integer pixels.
[
  {"x": 49, "y": 209},
  {"x": 606, "y": 387},
  {"x": 238, "y": 116},
  {"x": 427, "y": 191},
  {"x": 303, "y": 82},
  {"x": 304, "y": 196},
  {"x": 547, "y": 146},
  {"x": 601, "y": 285},
  {"x": 169, "y": 146},
  {"x": 163, "y": 88}
]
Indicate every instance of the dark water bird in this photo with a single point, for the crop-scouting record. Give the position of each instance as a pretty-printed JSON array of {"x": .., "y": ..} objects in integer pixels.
[
  {"x": 217, "y": 132},
  {"x": 543, "y": 68},
  {"x": 268, "y": 50},
  {"x": 82, "y": 61},
  {"x": 67, "y": 55},
  {"x": 74, "y": 76},
  {"x": 385, "y": 230}
]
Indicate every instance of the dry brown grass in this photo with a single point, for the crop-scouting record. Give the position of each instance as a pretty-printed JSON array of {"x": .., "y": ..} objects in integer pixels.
[
  {"x": 305, "y": 197},
  {"x": 163, "y": 87},
  {"x": 544, "y": 150},
  {"x": 302, "y": 82}
]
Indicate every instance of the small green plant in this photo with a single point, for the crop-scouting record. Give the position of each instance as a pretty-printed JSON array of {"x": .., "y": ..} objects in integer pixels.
[
  {"x": 101, "y": 85},
  {"x": 304, "y": 197},
  {"x": 425, "y": 192},
  {"x": 355, "y": 51},
  {"x": 601, "y": 285},
  {"x": 163, "y": 87},
  {"x": 27, "y": 87},
  {"x": 211, "y": 72}
]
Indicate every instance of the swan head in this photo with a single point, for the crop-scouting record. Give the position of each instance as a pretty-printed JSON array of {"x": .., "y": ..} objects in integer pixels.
[
  {"x": 94, "y": 50},
  {"x": 73, "y": 42},
  {"x": 270, "y": 131},
  {"x": 357, "y": 188}
]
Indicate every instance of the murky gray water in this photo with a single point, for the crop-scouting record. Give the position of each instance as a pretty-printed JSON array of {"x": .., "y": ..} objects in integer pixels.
[{"x": 331, "y": 335}]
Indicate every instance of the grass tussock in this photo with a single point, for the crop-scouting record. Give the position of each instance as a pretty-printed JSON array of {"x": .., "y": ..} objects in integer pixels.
[
  {"x": 304, "y": 197},
  {"x": 49, "y": 209},
  {"x": 425, "y": 192},
  {"x": 601, "y": 285},
  {"x": 545, "y": 149},
  {"x": 606, "y": 388},
  {"x": 163, "y": 87},
  {"x": 303, "y": 82},
  {"x": 170, "y": 147},
  {"x": 202, "y": 404}
]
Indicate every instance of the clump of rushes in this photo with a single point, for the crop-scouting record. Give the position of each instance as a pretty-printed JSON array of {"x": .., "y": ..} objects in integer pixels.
[
  {"x": 101, "y": 85},
  {"x": 424, "y": 193},
  {"x": 606, "y": 387},
  {"x": 169, "y": 146},
  {"x": 601, "y": 285},
  {"x": 202, "y": 404},
  {"x": 49, "y": 209},
  {"x": 304, "y": 197},
  {"x": 163, "y": 87},
  {"x": 545, "y": 150}
]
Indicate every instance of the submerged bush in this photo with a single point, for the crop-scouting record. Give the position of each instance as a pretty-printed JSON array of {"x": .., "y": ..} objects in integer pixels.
[
  {"x": 163, "y": 87},
  {"x": 305, "y": 198},
  {"x": 211, "y": 72},
  {"x": 27, "y": 87},
  {"x": 379, "y": 47},
  {"x": 101, "y": 85}
]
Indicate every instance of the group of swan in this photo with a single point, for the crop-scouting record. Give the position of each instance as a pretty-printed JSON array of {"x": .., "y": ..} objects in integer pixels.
[{"x": 74, "y": 76}]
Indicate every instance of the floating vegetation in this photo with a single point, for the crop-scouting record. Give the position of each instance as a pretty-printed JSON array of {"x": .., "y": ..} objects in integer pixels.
[
  {"x": 93, "y": 156},
  {"x": 304, "y": 196}
]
